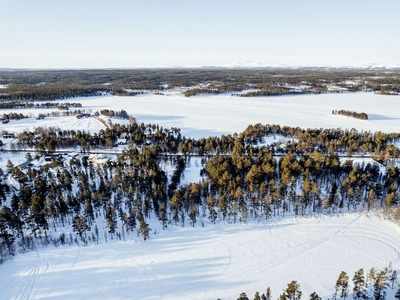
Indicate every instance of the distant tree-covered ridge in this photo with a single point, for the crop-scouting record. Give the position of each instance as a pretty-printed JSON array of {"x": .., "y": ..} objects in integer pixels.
[
  {"x": 63, "y": 84},
  {"x": 353, "y": 114},
  {"x": 43, "y": 105}
]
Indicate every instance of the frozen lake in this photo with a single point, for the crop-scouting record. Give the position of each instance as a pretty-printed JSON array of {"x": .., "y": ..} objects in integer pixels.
[
  {"x": 204, "y": 116},
  {"x": 219, "y": 260}
]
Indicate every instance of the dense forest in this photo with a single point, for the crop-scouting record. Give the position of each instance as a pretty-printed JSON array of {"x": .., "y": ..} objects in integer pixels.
[{"x": 241, "y": 179}]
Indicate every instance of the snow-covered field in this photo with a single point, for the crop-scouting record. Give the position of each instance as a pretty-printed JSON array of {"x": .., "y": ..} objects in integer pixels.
[
  {"x": 219, "y": 260},
  {"x": 204, "y": 116}
]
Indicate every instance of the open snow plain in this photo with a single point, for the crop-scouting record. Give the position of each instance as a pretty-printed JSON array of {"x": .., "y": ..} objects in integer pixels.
[
  {"x": 204, "y": 116},
  {"x": 219, "y": 260}
]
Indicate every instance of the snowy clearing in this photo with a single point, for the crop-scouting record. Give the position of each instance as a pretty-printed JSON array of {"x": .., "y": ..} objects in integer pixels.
[{"x": 206, "y": 263}]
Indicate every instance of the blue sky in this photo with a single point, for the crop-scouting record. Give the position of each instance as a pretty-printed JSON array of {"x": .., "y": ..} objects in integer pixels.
[{"x": 125, "y": 34}]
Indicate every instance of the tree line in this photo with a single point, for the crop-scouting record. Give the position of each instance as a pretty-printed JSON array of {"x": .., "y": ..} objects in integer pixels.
[
  {"x": 62, "y": 84},
  {"x": 371, "y": 285},
  {"x": 33, "y": 105}
]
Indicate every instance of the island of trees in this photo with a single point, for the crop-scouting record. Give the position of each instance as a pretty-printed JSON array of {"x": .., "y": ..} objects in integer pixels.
[{"x": 352, "y": 114}]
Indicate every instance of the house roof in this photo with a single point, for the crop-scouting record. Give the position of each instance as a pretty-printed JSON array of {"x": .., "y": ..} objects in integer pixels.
[{"x": 25, "y": 164}]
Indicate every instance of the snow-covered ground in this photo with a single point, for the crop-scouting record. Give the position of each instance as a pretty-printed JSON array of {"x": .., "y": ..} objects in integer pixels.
[
  {"x": 90, "y": 124},
  {"x": 208, "y": 262},
  {"x": 219, "y": 260},
  {"x": 211, "y": 115}
]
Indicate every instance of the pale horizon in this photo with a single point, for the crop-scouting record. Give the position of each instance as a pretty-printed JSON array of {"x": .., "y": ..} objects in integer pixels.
[{"x": 133, "y": 34}]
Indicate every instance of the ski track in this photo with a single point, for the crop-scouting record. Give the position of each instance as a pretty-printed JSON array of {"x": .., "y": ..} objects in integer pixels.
[
  {"x": 340, "y": 231},
  {"x": 152, "y": 274},
  {"x": 52, "y": 287},
  {"x": 27, "y": 289},
  {"x": 207, "y": 263}
]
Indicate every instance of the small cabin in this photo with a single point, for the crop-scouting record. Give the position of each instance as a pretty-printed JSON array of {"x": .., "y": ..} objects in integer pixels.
[{"x": 25, "y": 165}]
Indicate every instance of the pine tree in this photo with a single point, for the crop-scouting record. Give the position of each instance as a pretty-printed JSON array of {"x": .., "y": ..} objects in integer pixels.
[
  {"x": 88, "y": 211},
  {"x": 370, "y": 199},
  {"x": 371, "y": 276},
  {"x": 79, "y": 225},
  {"x": 283, "y": 296},
  {"x": 257, "y": 296},
  {"x": 359, "y": 284},
  {"x": 163, "y": 215},
  {"x": 243, "y": 296},
  {"x": 393, "y": 277},
  {"x": 263, "y": 297},
  {"x": 268, "y": 294},
  {"x": 342, "y": 284},
  {"x": 267, "y": 207},
  {"x": 314, "y": 296},
  {"x": 131, "y": 219},
  {"x": 28, "y": 157},
  {"x": 223, "y": 206},
  {"x": 182, "y": 219},
  {"x": 6, "y": 238},
  {"x": 380, "y": 285},
  {"x": 144, "y": 230},
  {"x": 111, "y": 217},
  {"x": 96, "y": 232},
  {"x": 293, "y": 291},
  {"x": 397, "y": 295},
  {"x": 9, "y": 166},
  {"x": 192, "y": 215}
]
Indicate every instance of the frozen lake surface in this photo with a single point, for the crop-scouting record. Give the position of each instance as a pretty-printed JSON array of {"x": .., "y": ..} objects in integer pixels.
[
  {"x": 219, "y": 260},
  {"x": 204, "y": 116}
]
